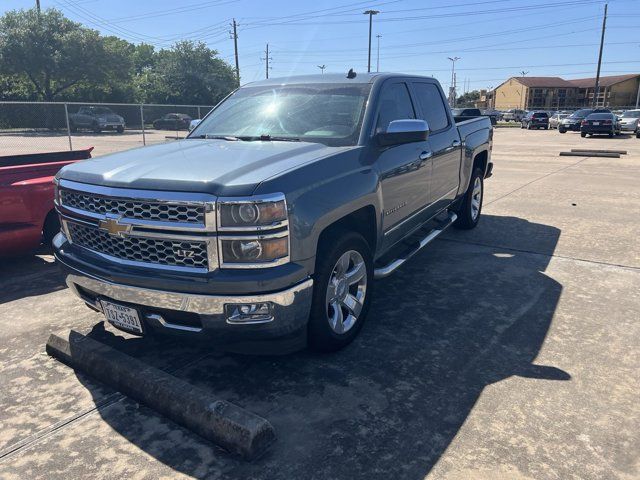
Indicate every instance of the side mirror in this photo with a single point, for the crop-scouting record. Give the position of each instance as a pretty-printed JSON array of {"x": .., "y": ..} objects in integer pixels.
[{"x": 404, "y": 131}]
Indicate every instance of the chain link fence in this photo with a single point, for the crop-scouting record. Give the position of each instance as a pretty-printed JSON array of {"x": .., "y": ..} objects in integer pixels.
[{"x": 34, "y": 127}]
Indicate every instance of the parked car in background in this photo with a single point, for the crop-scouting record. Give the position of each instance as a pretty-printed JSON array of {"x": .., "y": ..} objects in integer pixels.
[
  {"x": 535, "y": 120},
  {"x": 630, "y": 121},
  {"x": 514, "y": 115},
  {"x": 173, "y": 121},
  {"x": 27, "y": 215},
  {"x": 269, "y": 222},
  {"x": 461, "y": 114},
  {"x": 573, "y": 121},
  {"x": 556, "y": 118},
  {"x": 495, "y": 115},
  {"x": 194, "y": 123},
  {"x": 96, "y": 119},
  {"x": 599, "y": 123}
]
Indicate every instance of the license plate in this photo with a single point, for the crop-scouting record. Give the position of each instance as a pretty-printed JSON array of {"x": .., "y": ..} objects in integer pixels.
[
  {"x": 596, "y": 123},
  {"x": 122, "y": 317}
]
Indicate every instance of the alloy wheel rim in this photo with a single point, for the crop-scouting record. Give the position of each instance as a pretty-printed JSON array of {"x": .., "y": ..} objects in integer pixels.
[
  {"x": 476, "y": 198},
  {"x": 346, "y": 291}
]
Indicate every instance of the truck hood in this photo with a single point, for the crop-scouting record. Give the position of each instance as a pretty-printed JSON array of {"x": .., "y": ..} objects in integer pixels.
[{"x": 218, "y": 167}]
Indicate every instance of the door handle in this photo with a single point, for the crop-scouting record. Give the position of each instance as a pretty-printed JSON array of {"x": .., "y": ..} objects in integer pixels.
[
  {"x": 426, "y": 155},
  {"x": 455, "y": 143}
]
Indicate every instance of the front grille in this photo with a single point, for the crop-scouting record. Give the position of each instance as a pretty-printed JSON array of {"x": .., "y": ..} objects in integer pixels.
[
  {"x": 174, "y": 253},
  {"x": 135, "y": 209}
]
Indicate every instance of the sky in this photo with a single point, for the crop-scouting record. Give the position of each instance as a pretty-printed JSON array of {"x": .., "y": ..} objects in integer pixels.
[{"x": 495, "y": 39}]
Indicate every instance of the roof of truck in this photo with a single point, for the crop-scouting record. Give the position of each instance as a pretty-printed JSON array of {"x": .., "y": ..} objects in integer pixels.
[{"x": 331, "y": 78}]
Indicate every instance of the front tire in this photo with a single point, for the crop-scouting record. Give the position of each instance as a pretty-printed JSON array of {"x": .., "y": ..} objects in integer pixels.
[
  {"x": 583, "y": 134},
  {"x": 342, "y": 291},
  {"x": 562, "y": 130},
  {"x": 120, "y": 129},
  {"x": 471, "y": 206}
]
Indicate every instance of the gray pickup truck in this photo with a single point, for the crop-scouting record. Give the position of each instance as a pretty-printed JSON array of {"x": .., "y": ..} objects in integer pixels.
[{"x": 266, "y": 227}]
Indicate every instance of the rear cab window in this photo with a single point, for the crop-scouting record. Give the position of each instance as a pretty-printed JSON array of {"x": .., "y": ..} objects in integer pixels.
[{"x": 431, "y": 105}]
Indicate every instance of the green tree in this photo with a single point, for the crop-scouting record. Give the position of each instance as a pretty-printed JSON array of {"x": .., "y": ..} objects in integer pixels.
[
  {"x": 55, "y": 55},
  {"x": 188, "y": 73},
  {"x": 468, "y": 99}
]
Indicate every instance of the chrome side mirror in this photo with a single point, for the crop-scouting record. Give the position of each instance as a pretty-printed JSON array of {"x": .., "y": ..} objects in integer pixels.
[{"x": 404, "y": 131}]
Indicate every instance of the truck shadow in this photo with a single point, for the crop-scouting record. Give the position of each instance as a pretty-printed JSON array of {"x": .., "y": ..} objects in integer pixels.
[
  {"x": 29, "y": 275},
  {"x": 457, "y": 319}
]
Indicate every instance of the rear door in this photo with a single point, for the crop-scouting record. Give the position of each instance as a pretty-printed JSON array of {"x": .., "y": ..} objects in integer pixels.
[
  {"x": 444, "y": 143},
  {"x": 404, "y": 175}
]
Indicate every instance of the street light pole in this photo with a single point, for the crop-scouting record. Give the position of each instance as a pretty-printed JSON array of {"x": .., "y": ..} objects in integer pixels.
[
  {"x": 378, "y": 59},
  {"x": 522, "y": 102},
  {"x": 452, "y": 89},
  {"x": 322, "y": 67},
  {"x": 596, "y": 90},
  {"x": 371, "y": 13}
]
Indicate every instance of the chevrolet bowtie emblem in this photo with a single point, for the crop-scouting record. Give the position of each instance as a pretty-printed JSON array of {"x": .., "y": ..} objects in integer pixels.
[{"x": 112, "y": 226}]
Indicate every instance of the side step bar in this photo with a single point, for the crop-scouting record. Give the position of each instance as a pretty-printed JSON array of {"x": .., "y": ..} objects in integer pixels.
[{"x": 387, "y": 270}]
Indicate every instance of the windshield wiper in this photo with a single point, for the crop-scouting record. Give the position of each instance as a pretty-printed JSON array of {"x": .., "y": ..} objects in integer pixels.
[
  {"x": 268, "y": 138},
  {"x": 207, "y": 136}
]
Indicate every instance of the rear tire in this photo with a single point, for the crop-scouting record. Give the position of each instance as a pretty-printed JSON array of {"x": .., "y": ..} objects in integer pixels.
[
  {"x": 562, "y": 130},
  {"x": 583, "y": 134},
  {"x": 342, "y": 291},
  {"x": 120, "y": 129},
  {"x": 470, "y": 207},
  {"x": 611, "y": 135}
]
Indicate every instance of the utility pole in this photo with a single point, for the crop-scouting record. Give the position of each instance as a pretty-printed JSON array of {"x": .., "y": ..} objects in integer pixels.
[
  {"x": 267, "y": 58},
  {"x": 638, "y": 95},
  {"x": 523, "y": 105},
  {"x": 371, "y": 13},
  {"x": 452, "y": 88},
  {"x": 378, "y": 59},
  {"x": 596, "y": 89},
  {"x": 234, "y": 36},
  {"x": 38, "y": 6},
  {"x": 322, "y": 67}
]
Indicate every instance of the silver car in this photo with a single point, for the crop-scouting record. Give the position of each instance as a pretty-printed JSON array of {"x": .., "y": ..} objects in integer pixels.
[
  {"x": 556, "y": 118},
  {"x": 629, "y": 121}
]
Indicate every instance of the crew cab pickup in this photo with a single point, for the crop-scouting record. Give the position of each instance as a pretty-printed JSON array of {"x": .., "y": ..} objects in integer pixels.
[
  {"x": 268, "y": 224},
  {"x": 27, "y": 215}
]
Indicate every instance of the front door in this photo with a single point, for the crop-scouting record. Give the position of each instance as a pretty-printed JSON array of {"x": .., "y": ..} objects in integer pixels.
[{"x": 404, "y": 175}]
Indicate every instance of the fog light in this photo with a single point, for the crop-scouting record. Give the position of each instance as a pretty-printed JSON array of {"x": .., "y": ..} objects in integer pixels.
[{"x": 249, "y": 312}]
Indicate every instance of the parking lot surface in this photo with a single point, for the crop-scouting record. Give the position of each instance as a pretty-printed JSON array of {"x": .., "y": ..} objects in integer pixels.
[{"x": 511, "y": 351}]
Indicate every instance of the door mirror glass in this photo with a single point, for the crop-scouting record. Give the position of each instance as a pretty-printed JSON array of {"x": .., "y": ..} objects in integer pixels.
[{"x": 404, "y": 131}]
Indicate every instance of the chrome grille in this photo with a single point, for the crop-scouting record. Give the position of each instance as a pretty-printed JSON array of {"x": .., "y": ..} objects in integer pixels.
[
  {"x": 135, "y": 209},
  {"x": 174, "y": 253}
]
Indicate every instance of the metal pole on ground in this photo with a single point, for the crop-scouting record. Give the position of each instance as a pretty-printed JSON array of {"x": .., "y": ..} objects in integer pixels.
[
  {"x": 199, "y": 117},
  {"x": 144, "y": 138},
  {"x": 66, "y": 116}
]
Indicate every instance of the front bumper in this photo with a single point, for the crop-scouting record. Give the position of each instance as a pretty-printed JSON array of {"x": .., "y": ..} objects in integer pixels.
[
  {"x": 628, "y": 127},
  {"x": 199, "y": 315}
]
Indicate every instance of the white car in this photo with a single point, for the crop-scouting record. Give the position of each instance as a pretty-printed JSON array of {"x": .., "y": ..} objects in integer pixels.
[
  {"x": 629, "y": 121},
  {"x": 194, "y": 123}
]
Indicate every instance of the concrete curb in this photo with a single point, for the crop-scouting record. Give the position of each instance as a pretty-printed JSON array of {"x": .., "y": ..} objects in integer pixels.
[
  {"x": 589, "y": 154},
  {"x": 225, "y": 424}
]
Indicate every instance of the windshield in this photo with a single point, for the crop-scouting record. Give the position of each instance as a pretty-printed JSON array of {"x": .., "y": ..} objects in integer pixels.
[
  {"x": 324, "y": 113},
  {"x": 634, "y": 114}
]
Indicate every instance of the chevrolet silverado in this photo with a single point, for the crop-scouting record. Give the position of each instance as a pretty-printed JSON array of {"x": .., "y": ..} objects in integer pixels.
[{"x": 268, "y": 224}]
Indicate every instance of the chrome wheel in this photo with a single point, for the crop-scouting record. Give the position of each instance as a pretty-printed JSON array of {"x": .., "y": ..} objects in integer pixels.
[
  {"x": 476, "y": 198},
  {"x": 346, "y": 291}
]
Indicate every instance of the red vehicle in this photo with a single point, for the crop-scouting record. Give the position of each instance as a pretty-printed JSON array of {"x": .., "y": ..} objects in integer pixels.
[{"x": 27, "y": 217}]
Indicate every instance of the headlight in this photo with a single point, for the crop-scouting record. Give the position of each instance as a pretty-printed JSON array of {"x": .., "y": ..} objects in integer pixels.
[
  {"x": 254, "y": 251},
  {"x": 255, "y": 214},
  {"x": 260, "y": 229}
]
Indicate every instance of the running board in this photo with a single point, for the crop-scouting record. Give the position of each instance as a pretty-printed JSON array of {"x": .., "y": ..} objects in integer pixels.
[{"x": 387, "y": 270}]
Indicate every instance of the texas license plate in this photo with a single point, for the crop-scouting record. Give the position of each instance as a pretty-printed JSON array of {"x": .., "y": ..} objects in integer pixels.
[
  {"x": 596, "y": 123},
  {"x": 119, "y": 316}
]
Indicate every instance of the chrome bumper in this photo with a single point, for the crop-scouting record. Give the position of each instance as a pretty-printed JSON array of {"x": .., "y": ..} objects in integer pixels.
[{"x": 290, "y": 307}]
